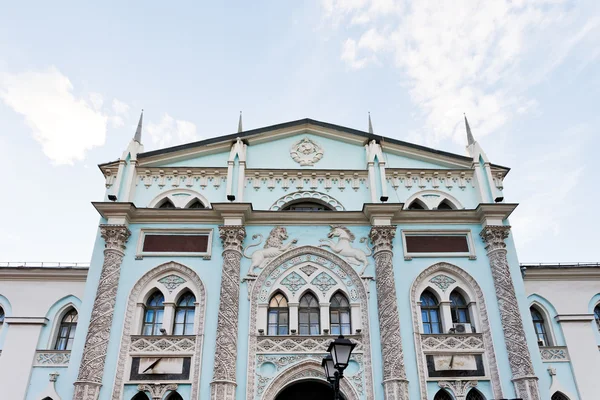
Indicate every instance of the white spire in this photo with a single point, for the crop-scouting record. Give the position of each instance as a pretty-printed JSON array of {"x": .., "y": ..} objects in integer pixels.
[
  {"x": 370, "y": 124},
  {"x": 240, "y": 124},
  {"x": 138, "y": 132}
]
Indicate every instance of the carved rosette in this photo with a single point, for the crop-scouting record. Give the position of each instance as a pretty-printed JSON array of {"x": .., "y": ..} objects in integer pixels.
[
  {"x": 91, "y": 370},
  {"x": 524, "y": 378},
  {"x": 394, "y": 375},
  {"x": 223, "y": 384}
]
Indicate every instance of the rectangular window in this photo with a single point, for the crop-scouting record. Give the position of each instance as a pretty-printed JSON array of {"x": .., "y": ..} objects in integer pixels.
[
  {"x": 438, "y": 244},
  {"x": 175, "y": 242}
]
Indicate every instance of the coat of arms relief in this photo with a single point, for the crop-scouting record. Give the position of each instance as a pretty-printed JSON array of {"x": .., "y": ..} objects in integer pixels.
[{"x": 306, "y": 152}]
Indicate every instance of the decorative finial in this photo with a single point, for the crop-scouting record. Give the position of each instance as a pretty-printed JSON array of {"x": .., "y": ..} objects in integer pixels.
[
  {"x": 370, "y": 124},
  {"x": 470, "y": 139},
  {"x": 138, "y": 132},
  {"x": 240, "y": 124}
]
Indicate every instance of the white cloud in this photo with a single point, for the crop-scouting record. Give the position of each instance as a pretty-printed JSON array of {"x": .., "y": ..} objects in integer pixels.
[
  {"x": 121, "y": 111},
  {"x": 64, "y": 124},
  {"x": 472, "y": 56},
  {"x": 170, "y": 131}
]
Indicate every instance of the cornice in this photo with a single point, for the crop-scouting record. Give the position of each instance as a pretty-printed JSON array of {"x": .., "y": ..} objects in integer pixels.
[
  {"x": 43, "y": 273},
  {"x": 561, "y": 274},
  {"x": 220, "y": 211}
]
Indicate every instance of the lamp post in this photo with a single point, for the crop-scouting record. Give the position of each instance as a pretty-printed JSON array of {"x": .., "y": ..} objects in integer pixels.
[{"x": 336, "y": 362}]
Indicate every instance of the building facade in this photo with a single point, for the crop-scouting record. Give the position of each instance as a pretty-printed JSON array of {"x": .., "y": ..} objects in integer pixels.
[{"x": 222, "y": 269}]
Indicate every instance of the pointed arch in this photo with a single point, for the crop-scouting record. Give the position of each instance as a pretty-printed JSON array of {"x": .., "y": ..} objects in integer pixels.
[
  {"x": 56, "y": 312},
  {"x": 558, "y": 395},
  {"x": 335, "y": 266},
  {"x": 319, "y": 197},
  {"x": 442, "y": 394},
  {"x": 475, "y": 394},
  {"x": 140, "y": 396},
  {"x": 542, "y": 325},
  {"x": 179, "y": 198},
  {"x": 417, "y": 204},
  {"x": 432, "y": 199},
  {"x": 459, "y": 277},
  {"x": 149, "y": 280}
]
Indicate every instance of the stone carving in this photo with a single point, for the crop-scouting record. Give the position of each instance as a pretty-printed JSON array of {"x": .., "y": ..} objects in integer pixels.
[
  {"x": 525, "y": 381},
  {"x": 273, "y": 247},
  {"x": 423, "y": 342},
  {"x": 394, "y": 375},
  {"x": 344, "y": 248},
  {"x": 458, "y": 387},
  {"x": 301, "y": 344},
  {"x": 157, "y": 390},
  {"x": 293, "y": 282},
  {"x": 172, "y": 282},
  {"x": 442, "y": 281},
  {"x": 55, "y": 358},
  {"x": 306, "y": 152},
  {"x": 308, "y": 269},
  {"x": 223, "y": 384},
  {"x": 91, "y": 370},
  {"x": 127, "y": 338},
  {"x": 324, "y": 282},
  {"x": 307, "y": 195},
  {"x": 338, "y": 267},
  {"x": 554, "y": 354},
  {"x": 163, "y": 344},
  {"x": 472, "y": 342}
]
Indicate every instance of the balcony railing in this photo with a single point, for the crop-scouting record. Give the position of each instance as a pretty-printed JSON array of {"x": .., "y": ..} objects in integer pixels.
[{"x": 302, "y": 343}]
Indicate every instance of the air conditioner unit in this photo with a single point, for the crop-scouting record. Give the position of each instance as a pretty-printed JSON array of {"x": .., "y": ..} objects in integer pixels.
[
  {"x": 462, "y": 328},
  {"x": 541, "y": 343}
]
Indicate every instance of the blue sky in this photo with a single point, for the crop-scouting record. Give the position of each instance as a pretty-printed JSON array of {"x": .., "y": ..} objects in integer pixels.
[{"x": 74, "y": 77}]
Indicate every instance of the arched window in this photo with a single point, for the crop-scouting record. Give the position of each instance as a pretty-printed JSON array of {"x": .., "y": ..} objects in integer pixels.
[
  {"x": 308, "y": 315},
  {"x": 167, "y": 204},
  {"x": 596, "y": 315},
  {"x": 559, "y": 396},
  {"x": 307, "y": 206},
  {"x": 430, "y": 313},
  {"x": 416, "y": 205},
  {"x": 1, "y": 317},
  {"x": 475, "y": 394},
  {"x": 184, "y": 315},
  {"x": 66, "y": 331},
  {"x": 154, "y": 314},
  {"x": 278, "y": 315},
  {"x": 140, "y": 396},
  {"x": 339, "y": 315},
  {"x": 442, "y": 395},
  {"x": 459, "y": 308},
  {"x": 197, "y": 204},
  {"x": 539, "y": 326},
  {"x": 174, "y": 396},
  {"x": 445, "y": 205}
]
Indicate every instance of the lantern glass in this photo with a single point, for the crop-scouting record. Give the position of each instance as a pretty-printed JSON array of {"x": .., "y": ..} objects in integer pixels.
[
  {"x": 340, "y": 350},
  {"x": 329, "y": 368}
]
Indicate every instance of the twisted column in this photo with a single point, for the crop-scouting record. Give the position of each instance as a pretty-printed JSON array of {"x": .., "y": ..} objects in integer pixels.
[
  {"x": 223, "y": 384},
  {"x": 524, "y": 379},
  {"x": 395, "y": 384},
  {"x": 91, "y": 370}
]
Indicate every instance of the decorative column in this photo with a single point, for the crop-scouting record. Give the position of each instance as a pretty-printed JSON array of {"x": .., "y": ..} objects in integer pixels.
[
  {"x": 524, "y": 379},
  {"x": 395, "y": 384},
  {"x": 91, "y": 370},
  {"x": 223, "y": 384}
]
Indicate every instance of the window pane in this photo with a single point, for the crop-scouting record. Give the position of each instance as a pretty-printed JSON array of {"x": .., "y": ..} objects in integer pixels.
[
  {"x": 425, "y": 316},
  {"x": 283, "y": 318},
  {"x": 434, "y": 315},
  {"x": 304, "y": 329},
  {"x": 178, "y": 329},
  {"x": 426, "y": 328},
  {"x": 272, "y": 317},
  {"x": 345, "y": 317},
  {"x": 189, "y": 329},
  {"x": 314, "y": 329},
  {"x": 190, "y": 316},
  {"x": 303, "y": 317},
  {"x": 69, "y": 344},
  {"x": 435, "y": 328},
  {"x": 61, "y": 344},
  {"x": 272, "y": 330},
  {"x": 346, "y": 330},
  {"x": 283, "y": 330},
  {"x": 335, "y": 329},
  {"x": 179, "y": 316},
  {"x": 147, "y": 330},
  {"x": 335, "y": 317},
  {"x": 159, "y": 316},
  {"x": 72, "y": 331},
  {"x": 149, "y": 316}
]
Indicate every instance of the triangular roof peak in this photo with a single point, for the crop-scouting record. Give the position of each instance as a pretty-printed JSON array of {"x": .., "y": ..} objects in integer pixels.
[{"x": 255, "y": 136}]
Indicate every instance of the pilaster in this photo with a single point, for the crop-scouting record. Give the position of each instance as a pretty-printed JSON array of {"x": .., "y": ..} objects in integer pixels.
[
  {"x": 224, "y": 383},
  {"x": 91, "y": 370},
  {"x": 519, "y": 358},
  {"x": 395, "y": 383}
]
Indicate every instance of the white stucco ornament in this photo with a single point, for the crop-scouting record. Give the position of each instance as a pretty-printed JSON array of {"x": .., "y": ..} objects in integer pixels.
[
  {"x": 274, "y": 246},
  {"x": 344, "y": 248},
  {"x": 306, "y": 152}
]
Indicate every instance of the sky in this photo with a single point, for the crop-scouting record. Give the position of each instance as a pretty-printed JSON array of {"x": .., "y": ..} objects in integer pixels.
[{"x": 74, "y": 78}]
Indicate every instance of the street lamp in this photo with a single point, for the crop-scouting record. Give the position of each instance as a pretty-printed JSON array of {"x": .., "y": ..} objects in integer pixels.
[{"x": 336, "y": 362}]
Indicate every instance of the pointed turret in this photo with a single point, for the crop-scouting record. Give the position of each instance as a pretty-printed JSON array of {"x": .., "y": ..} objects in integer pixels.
[
  {"x": 470, "y": 139},
  {"x": 138, "y": 132},
  {"x": 240, "y": 124},
  {"x": 370, "y": 124}
]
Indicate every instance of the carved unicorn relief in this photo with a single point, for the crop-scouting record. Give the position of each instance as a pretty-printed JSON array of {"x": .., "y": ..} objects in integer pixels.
[{"x": 343, "y": 246}]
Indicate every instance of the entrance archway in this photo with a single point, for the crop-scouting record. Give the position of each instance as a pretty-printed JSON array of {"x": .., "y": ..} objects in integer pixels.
[{"x": 302, "y": 390}]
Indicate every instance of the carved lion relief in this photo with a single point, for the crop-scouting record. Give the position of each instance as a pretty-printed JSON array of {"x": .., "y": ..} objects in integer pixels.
[{"x": 274, "y": 247}]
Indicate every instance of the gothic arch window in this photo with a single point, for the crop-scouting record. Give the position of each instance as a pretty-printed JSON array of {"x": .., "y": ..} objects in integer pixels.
[
  {"x": 430, "y": 313},
  {"x": 459, "y": 308},
  {"x": 540, "y": 326},
  {"x": 307, "y": 206},
  {"x": 174, "y": 396},
  {"x": 416, "y": 205},
  {"x": 474, "y": 394},
  {"x": 2, "y": 315},
  {"x": 559, "y": 396},
  {"x": 309, "y": 315},
  {"x": 140, "y": 396},
  {"x": 339, "y": 315},
  {"x": 153, "y": 315},
  {"x": 66, "y": 331},
  {"x": 184, "y": 315},
  {"x": 166, "y": 203},
  {"x": 432, "y": 200},
  {"x": 596, "y": 315},
  {"x": 278, "y": 315},
  {"x": 446, "y": 205},
  {"x": 197, "y": 204},
  {"x": 442, "y": 395}
]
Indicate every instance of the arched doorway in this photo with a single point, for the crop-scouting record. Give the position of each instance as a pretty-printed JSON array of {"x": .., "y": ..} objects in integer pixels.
[{"x": 313, "y": 390}]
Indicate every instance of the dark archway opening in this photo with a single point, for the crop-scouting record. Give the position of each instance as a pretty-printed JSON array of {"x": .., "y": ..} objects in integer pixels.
[{"x": 312, "y": 390}]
